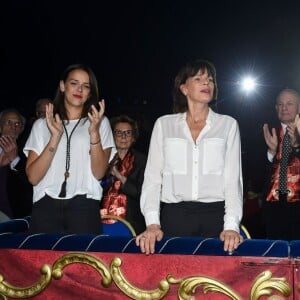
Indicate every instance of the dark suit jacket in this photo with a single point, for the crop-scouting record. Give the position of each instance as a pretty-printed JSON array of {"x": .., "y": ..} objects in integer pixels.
[
  {"x": 15, "y": 190},
  {"x": 269, "y": 165},
  {"x": 132, "y": 189}
]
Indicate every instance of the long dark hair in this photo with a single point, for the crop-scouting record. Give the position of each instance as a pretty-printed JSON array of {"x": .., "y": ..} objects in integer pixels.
[
  {"x": 93, "y": 98},
  {"x": 190, "y": 70}
]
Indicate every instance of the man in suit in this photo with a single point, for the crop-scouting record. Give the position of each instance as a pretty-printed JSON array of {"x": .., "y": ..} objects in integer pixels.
[
  {"x": 15, "y": 190},
  {"x": 281, "y": 208}
]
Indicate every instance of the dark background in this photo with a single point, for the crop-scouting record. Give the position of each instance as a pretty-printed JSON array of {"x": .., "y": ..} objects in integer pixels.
[{"x": 137, "y": 47}]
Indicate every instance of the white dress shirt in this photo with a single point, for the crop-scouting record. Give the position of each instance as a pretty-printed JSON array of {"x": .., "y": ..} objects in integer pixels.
[{"x": 178, "y": 169}]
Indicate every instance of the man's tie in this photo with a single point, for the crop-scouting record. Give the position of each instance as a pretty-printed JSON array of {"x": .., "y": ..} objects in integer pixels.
[{"x": 286, "y": 145}]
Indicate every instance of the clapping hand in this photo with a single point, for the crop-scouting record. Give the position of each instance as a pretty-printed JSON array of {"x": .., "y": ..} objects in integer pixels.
[
  {"x": 54, "y": 122},
  {"x": 95, "y": 116},
  {"x": 297, "y": 125},
  {"x": 270, "y": 138},
  {"x": 9, "y": 149}
]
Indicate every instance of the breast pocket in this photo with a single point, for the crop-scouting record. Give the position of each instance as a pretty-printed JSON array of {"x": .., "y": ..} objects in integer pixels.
[
  {"x": 175, "y": 156},
  {"x": 213, "y": 156}
]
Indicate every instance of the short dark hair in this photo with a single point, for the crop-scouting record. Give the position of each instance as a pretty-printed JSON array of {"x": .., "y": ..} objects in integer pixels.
[
  {"x": 187, "y": 71},
  {"x": 125, "y": 119},
  {"x": 42, "y": 101}
]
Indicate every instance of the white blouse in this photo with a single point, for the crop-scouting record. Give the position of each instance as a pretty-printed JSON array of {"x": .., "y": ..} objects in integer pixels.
[
  {"x": 81, "y": 180},
  {"x": 178, "y": 169}
]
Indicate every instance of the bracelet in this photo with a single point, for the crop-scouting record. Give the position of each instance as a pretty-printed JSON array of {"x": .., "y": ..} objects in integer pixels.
[{"x": 95, "y": 143}]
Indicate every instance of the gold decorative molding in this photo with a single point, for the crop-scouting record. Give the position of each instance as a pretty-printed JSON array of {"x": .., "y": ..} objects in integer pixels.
[
  {"x": 133, "y": 291},
  {"x": 16, "y": 292},
  {"x": 55, "y": 272},
  {"x": 92, "y": 261},
  {"x": 264, "y": 284},
  {"x": 2, "y": 297},
  {"x": 188, "y": 285}
]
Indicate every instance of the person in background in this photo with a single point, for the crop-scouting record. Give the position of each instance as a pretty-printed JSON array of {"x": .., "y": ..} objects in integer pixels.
[
  {"x": 68, "y": 153},
  {"x": 115, "y": 203},
  {"x": 125, "y": 175},
  {"x": 15, "y": 190},
  {"x": 40, "y": 107},
  {"x": 281, "y": 208},
  {"x": 40, "y": 112},
  {"x": 252, "y": 219},
  {"x": 193, "y": 178}
]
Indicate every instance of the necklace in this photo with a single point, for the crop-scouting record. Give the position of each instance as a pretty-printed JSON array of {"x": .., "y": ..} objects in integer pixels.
[{"x": 63, "y": 190}]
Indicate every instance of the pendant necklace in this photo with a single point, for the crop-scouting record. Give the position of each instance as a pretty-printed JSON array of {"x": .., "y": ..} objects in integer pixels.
[{"x": 63, "y": 190}]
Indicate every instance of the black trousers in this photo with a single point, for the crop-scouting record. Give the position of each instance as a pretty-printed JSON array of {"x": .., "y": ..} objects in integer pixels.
[
  {"x": 187, "y": 219},
  {"x": 76, "y": 215},
  {"x": 282, "y": 220}
]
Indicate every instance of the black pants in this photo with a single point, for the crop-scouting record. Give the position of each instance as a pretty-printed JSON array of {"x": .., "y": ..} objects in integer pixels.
[
  {"x": 192, "y": 219},
  {"x": 282, "y": 220},
  {"x": 76, "y": 215}
]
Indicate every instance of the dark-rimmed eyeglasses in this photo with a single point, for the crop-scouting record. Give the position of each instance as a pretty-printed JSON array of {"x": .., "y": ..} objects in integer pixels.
[
  {"x": 11, "y": 123},
  {"x": 121, "y": 133}
]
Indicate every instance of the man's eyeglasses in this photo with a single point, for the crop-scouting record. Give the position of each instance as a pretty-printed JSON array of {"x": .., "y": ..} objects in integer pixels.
[
  {"x": 11, "y": 123},
  {"x": 121, "y": 133}
]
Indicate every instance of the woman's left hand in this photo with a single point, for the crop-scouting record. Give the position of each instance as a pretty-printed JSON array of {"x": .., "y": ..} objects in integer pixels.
[
  {"x": 95, "y": 116},
  {"x": 231, "y": 240}
]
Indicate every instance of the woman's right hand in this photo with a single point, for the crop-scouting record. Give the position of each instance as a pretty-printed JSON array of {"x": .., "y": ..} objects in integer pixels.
[
  {"x": 54, "y": 122},
  {"x": 147, "y": 239},
  {"x": 38, "y": 165}
]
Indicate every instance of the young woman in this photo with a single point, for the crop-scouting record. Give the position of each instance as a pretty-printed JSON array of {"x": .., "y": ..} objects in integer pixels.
[
  {"x": 68, "y": 153},
  {"x": 193, "y": 179}
]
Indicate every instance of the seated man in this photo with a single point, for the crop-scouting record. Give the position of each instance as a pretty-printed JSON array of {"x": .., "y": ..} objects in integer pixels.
[{"x": 15, "y": 190}]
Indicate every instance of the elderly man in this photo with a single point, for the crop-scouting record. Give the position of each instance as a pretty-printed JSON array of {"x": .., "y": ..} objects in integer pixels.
[
  {"x": 15, "y": 190},
  {"x": 281, "y": 208}
]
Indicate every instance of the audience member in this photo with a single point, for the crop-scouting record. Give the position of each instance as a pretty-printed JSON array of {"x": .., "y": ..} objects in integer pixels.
[
  {"x": 252, "y": 219},
  {"x": 15, "y": 190},
  {"x": 40, "y": 112},
  {"x": 281, "y": 207},
  {"x": 193, "y": 178},
  {"x": 40, "y": 107},
  {"x": 68, "y": 153},
  {"x": 123, "y": 183}
]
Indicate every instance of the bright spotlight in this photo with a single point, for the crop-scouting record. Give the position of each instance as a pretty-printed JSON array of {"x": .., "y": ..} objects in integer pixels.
[{"x": 248, "y": 84}]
